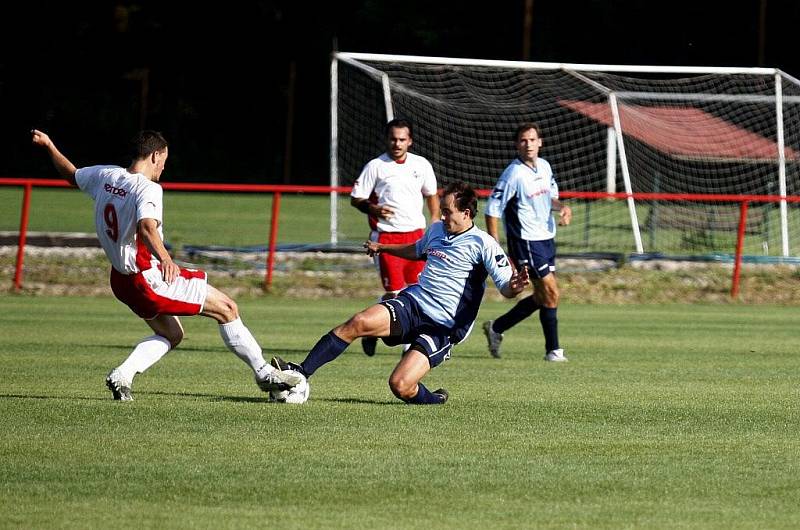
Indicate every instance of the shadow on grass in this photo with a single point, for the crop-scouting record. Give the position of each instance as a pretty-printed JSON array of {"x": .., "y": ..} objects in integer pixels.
[
  {"x": 62, "y": 397},
  {"x": 359, "y": 401},
  {"x": 210, "y": 397}
]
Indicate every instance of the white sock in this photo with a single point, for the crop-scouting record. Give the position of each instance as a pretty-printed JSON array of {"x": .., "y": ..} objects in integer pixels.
[
  {"x": 240, "y": 341},
  {"x": 144, "y": 355}
]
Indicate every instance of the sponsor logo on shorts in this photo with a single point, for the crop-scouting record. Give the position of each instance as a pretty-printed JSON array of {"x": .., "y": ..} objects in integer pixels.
[
  {"x": 390, "y": 306},
  {"x": 501, "y": 260}
]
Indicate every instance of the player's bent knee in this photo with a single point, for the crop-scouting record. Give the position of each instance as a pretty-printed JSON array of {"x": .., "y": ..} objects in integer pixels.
[
  {"x": 402, "y": 387},
  {"x": 174, "y": 336},
  {"x": 357, "y": 325}
]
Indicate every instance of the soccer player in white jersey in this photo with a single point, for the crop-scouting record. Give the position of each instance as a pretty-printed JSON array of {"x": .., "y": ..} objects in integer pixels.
[
  {"x": 128, "y": 219},
  {"x": 438, "y": 311},
  {"x": 390, "y": 190},
  {"x": 525, "y": 196}
]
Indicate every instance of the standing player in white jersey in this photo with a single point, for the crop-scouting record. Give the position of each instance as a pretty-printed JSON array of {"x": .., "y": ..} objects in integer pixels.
[
  {"x": 128, "y": 220},
  {"x": 525, "y": 197},
  {"x": 438, "y": 311},
  {"x": 390, "y": 190}
]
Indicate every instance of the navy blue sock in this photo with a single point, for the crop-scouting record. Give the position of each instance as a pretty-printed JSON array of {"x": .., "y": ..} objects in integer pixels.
[
  {"x": 424, "y": 397},
  {"x": 522, "y": 310},
  {"x": 324, "y": 351},
  {"x": 549, "y": 321}
]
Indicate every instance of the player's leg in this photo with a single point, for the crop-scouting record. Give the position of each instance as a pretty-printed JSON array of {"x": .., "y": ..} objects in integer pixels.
[
  {"x": 239, "y": 340},
  {"x": 168, "y": 334},
  {"x": 374, "y": 321},
  {"x": 426, "y": 352},
  {"x": 546, "y": 291},
  {"x": 522, "y": 256}
]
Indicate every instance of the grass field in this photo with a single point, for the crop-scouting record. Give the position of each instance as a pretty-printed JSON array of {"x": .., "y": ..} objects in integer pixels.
[{"x": 665, "y": 417}]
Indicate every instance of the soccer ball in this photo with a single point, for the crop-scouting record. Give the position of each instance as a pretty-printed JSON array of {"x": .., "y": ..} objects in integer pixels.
[{"x": 297, "y": 395}]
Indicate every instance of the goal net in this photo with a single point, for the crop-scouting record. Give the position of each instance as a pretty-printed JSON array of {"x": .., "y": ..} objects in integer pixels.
[{"x": 653, "y": 160}]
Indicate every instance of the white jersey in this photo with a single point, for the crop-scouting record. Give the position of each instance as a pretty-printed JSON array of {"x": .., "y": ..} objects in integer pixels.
[
  {"x": 399, "y": 185},
  {"x": 121, "y": 199},
  {"x": 452, "y": 284},
  {"x": 523, "y": 198}
]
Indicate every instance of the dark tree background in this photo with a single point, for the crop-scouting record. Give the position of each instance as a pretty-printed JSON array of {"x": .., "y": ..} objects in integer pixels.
[{"x": 216, "y": 78}]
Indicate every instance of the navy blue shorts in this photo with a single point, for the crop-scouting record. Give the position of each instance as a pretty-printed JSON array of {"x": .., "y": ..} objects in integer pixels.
[
  {"x": 538, "y": 256},
  {"x": 411, "y": 326}
]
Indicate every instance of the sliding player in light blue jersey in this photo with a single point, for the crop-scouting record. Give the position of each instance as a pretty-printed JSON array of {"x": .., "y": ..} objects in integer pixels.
[
  {"x": 525, "y": 197},
  {"x": 439, "y": 310}
]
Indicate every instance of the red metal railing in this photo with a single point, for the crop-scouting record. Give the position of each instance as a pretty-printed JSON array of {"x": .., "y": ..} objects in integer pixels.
[{"x": 278, "y": 189}]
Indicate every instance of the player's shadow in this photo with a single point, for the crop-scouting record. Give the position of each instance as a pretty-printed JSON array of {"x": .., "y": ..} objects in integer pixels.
[
  {"x": 210, "y": 397},
  {"x": 359, "y": 401},
  {"x": 127, "y": 346},
  {"x": 59, "y": 397}
]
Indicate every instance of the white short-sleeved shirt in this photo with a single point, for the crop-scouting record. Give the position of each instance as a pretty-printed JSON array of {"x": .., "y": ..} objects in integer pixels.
[
  {"x": 452, "y": 284},
  {"x": 523, "y": 198},
  {"x": 399, "y": 185},
  {"x": 121, "y": 199}
]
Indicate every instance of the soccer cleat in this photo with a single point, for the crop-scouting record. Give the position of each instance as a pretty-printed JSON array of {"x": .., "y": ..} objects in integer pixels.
[
  {"x": 279, "y": 379},
  {"x": 369, "y": 344},
  {"x": 119, "y": 386},
  {"x": 493, "y": 338},
  {"x": 556, "y": 356},
  {"x": 285, "y": 366},
  {"x": 442, "y": 393}
]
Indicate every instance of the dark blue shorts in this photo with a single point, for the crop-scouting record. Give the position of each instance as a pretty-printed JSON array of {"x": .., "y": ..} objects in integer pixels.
[
  {"x": 538, "y": 256},
  {"x": 409, "y": 325}
]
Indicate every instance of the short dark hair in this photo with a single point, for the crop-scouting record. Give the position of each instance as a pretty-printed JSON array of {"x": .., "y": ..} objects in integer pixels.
[
  {"x": 146, "y": 143},
  {"x": 522, "y": 127},
  {"x": 399, "y": 123},
  {"x": 465, "y": 197}
]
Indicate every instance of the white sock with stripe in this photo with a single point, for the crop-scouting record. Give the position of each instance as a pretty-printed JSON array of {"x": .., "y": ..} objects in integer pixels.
[
  {"x": 240, "y": 341},
  {"x": 144, "y": 355}
]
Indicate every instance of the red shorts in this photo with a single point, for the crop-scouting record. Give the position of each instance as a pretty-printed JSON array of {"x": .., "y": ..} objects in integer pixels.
[
  {"x": 148, "y": 295},
  {"x": 396, "y": 273}
]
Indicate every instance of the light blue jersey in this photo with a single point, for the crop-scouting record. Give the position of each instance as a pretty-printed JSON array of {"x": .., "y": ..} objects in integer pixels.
[
  {"x": 452, "y": 284},
  {"x": 523, "y": 198}
]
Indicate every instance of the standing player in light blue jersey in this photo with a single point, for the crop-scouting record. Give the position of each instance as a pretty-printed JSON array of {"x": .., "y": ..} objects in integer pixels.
[
  {"x": 438, "y": 311},
  {"x": 525, "y": 196}
]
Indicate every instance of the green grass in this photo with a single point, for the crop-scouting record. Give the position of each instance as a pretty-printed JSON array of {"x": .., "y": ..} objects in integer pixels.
[{"x": 665, "y": 417}]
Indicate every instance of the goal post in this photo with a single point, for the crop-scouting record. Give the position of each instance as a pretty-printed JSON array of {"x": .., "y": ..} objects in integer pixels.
[{"x": 638, "y": 129}]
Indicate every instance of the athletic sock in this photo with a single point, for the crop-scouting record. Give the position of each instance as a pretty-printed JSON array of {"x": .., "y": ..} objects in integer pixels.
[
  {"x": 549, "y": 321},
  {"x": 241, "y": 342},
  {"x": 324, "y": 351},
  {"x": 522, "y": 310},
  {"x": 144, "y": 355},
  {"x": 424, "y": 397}
]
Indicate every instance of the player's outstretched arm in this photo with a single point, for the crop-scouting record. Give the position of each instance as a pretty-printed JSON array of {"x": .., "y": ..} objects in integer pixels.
[
  {"x": 402, "y": 250},
  {"x": 62, "y": 164}
]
